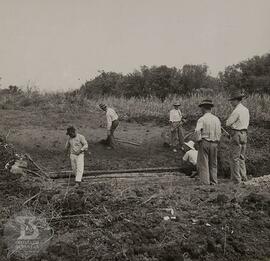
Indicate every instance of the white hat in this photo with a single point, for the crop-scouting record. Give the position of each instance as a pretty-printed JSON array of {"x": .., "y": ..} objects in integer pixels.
[{"x": 190, "y": 144}]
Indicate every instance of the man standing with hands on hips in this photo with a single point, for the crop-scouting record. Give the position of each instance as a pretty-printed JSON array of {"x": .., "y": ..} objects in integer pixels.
[
  {"x": 238, "y": 123},
  {"x": 76, "y": 146},
  {"x": 176, "y": 126}
]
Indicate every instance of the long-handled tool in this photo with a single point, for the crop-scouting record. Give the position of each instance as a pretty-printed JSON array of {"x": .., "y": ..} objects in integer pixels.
[
  {"x": 127, "y": 142},
  {"x": 227, "y": 133}
]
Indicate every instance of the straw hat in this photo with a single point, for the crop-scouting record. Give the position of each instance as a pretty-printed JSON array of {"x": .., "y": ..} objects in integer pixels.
[
  {"x": 177, "y": 104},
  {"x": 190, "y": 144},
  {"x": 206, "y": 102}
]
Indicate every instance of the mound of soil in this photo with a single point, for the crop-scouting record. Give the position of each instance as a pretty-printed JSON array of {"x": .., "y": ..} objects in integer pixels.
[{"x": 126, "y": 221}]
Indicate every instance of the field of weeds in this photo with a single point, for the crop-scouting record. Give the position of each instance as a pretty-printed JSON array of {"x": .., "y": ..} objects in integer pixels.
[{"x": 142, "y": 109}]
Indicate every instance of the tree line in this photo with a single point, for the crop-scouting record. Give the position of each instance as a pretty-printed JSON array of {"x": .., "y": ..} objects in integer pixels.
[{"x": 252, "y": 76}]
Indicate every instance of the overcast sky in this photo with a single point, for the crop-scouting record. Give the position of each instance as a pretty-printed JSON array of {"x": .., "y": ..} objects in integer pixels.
[{"x": 59, "y": 44}]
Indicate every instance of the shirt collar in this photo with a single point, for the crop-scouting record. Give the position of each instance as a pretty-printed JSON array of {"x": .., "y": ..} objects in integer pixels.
[
  {"x": 239, "y": 105},
  {"x": 207, "y": 113}
]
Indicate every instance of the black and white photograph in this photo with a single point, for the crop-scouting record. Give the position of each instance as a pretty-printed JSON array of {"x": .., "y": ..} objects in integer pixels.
[{"x": 135, "y": 130}]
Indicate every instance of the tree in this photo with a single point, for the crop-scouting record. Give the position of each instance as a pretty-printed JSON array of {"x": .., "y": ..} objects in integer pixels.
[
  {"x": 252, "y": 75},
  {"x": 106, "y": 83},
  {"x": 196, "y": 77}
]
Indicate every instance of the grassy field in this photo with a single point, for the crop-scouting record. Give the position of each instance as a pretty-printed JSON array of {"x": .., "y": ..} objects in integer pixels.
[{"x": 134, "y": 108}]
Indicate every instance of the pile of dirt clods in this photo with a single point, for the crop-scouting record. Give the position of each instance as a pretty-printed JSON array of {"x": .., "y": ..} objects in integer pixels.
[{"x": 104, "y": 221}]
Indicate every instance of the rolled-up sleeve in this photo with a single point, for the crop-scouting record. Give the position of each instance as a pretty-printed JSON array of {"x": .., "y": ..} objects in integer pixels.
[{"x": 198, "y": 129}]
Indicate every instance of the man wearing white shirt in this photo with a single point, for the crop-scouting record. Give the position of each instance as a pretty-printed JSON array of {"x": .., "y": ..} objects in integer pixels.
[
  {"x": 112, "y": 124},
  {"x": 208, "y": 133},
  {"x": 75, "y": 147},
  {"x": 176, "y": 126},
  {"x": 238, "y": 123},
  {"x": 190, "y": 159}
]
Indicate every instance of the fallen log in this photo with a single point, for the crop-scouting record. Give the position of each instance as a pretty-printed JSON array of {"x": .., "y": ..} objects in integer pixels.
[
  {"x": 123, "y": 176},
  {"x": 64, "y": 174}
]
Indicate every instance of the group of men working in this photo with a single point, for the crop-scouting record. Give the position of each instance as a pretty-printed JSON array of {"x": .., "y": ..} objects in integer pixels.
[
  {"x": 207, "y": 135},
  {"x": 77, "y": 145},
  {"x": 207, "y": 132}
]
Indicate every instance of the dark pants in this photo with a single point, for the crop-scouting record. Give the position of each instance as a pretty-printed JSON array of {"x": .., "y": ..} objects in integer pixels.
[
  {"x": 110, "y": 138},
  {"x": 188, "y": 168},
  {"x": 207, "y": 162}
]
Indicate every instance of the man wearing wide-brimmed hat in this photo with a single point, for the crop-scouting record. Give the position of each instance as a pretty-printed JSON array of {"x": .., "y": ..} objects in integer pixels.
[
  {"x": 76, "y": 146},
  {"x": 190, "y": 159},
  {"x": 177, "y": 133},
  {"x": 238, "y": 123},
  {"x": 112, "y": 124},
  {"x": 208, "y": 133}
]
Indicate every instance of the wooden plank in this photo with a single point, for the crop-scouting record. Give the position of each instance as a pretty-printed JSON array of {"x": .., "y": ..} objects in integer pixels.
[{"x": 64, "y": 174}]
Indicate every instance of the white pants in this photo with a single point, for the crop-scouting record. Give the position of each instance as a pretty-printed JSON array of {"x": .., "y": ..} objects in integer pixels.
[{"x": 77, "y": 164}]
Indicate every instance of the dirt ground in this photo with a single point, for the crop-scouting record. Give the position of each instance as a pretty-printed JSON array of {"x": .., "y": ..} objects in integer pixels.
[
  {"x": 123, "y": 219},
  {"x": 43, "y": 136}
]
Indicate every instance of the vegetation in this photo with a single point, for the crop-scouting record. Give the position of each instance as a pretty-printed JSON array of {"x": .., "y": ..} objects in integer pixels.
[
  {"x": 252, "y": 76},
  {"x": 149, "y": 92},
  {"x": 132, "y": 108},
  {"x": 154, "y": 81}
]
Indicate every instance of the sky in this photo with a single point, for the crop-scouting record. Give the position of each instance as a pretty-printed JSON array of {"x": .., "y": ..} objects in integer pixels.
[{"x": 57, "y": 45}]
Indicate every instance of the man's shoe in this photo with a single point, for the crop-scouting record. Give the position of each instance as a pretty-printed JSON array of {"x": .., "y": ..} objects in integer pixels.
[{"x": 77, "y": 184}]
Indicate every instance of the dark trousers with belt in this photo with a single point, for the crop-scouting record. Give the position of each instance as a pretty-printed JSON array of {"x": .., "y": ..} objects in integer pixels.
[
  {"x": 207, "y": 162},
  {"x": 110, "y": 138}
]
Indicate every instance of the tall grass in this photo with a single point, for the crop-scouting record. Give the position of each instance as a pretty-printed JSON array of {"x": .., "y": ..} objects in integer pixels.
[{"x": 259, "y": 105}]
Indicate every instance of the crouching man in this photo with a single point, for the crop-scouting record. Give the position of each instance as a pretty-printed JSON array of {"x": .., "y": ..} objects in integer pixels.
[
  {"x": 75, "y": 147},
  {"x": 190, "y": 159}
]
